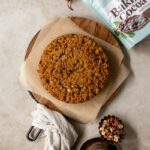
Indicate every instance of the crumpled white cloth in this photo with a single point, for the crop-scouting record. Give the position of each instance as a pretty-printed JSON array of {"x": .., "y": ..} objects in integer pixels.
[{"x": 60, "y": 134}]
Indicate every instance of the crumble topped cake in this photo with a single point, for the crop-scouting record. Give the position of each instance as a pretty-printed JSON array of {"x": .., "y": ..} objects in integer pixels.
[{"x": 73, "y": 68}]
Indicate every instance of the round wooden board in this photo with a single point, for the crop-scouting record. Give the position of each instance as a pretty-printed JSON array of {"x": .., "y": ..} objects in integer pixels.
[{"x": 87, "y": 25}]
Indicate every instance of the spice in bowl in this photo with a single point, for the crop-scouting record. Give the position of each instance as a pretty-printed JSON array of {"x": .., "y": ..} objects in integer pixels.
[{"x": 111, "y": 129}]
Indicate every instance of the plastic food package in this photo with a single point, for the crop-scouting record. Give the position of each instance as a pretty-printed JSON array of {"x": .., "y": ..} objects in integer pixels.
[{"x": 129, "y": 20}]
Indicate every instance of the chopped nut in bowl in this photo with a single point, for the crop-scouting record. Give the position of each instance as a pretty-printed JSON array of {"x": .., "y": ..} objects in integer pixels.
[{"x": 111, "y": 129}]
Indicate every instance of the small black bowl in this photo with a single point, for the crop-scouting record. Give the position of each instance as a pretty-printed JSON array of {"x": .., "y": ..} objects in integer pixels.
[{"x": 97, "y": 143}]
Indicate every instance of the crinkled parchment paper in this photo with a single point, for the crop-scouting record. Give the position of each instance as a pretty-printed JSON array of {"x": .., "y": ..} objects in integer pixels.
[{"x": 82, "y": 112}]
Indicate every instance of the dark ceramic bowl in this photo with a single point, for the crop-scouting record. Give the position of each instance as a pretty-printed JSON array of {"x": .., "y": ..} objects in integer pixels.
[{"x": 97, "y": 144}]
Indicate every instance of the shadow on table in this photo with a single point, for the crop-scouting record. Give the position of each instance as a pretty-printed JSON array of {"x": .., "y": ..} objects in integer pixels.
[
  {"x": 80, "y": 131},
  {"x": 123, "y": 85},
  {"x": 143, "y": 47},
  {"x": 131, "y": 141}
]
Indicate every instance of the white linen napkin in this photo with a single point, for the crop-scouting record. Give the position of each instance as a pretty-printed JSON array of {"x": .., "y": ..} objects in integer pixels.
[{"x": 60, "y": 134}]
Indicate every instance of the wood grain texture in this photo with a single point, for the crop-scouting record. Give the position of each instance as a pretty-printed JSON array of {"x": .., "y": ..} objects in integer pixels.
[
  {"x": 87, "y": 25},
  {"x": 96, "y": 29}
]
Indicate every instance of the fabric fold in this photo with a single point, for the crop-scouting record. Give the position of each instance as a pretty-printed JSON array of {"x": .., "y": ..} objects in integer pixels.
[{"x": 59, "y": 133}]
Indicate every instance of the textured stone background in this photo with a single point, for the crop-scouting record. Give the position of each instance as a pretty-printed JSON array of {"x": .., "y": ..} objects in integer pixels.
[{"x": 19, "y": 21}]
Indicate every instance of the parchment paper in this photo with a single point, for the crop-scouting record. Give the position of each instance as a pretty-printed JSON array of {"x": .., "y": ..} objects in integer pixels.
[{"x": 82, "y": 112}]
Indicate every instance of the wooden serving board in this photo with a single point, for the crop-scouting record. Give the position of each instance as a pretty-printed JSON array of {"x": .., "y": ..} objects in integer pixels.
[{"x": 87, "y": 25}]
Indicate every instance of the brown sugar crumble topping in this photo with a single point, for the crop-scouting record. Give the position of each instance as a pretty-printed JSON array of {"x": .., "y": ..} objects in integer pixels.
[
  {"x": 73, "y": 68},
  {"x": 111, "y": 129}
]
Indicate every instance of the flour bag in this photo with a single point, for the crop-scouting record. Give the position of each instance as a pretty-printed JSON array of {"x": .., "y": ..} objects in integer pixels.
[{"x": 129, "y": 20}]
